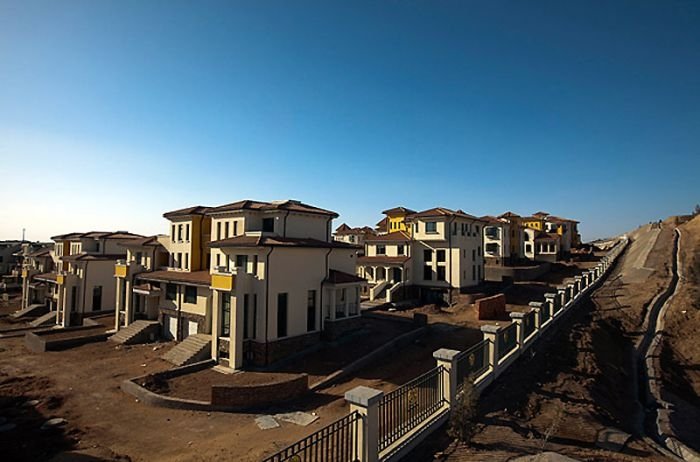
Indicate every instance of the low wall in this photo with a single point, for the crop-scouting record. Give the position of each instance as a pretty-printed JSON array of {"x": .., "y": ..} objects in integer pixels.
[
  {"x": 259, "y": 395},
  {"x": 493, "y": 307},
  {"x": 260, "y": 354},
  {"x": 515, "y": 273},
  {"x": 58, "y": 339},
  {"x": 334, "y": 329}
]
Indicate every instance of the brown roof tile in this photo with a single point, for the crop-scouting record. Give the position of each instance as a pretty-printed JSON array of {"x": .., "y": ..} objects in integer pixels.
[
  {"x": 291, "y": 205},
  {"x": 397, "y": 210},
  {"x": 396, "y": 236},
  {"x": 381, "y": 259},
  {"x": 339, "y": 277},
  {"x": 187, "y": 211},
  {"x": 278, "y": 241},
  {"x": 198, "y": 278}
]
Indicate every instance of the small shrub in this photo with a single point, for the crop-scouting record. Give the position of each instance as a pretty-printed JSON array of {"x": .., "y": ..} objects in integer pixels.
[{"x": 462, "y": 425}]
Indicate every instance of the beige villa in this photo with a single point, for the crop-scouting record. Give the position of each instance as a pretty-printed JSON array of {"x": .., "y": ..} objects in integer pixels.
[{"x": 258, "y": 280}]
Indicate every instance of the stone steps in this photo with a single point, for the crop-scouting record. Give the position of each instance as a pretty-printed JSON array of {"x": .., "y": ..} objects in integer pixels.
[
  {"x": 32, "y": 311},
  {"x": 196, "y": 347},
  {"x": 137, "y": 332}
]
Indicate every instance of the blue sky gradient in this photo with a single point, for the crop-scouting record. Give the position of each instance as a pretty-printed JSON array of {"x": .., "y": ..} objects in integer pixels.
[{"x": 115, "y": 112}]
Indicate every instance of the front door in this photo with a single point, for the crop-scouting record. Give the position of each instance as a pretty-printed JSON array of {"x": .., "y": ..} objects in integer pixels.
[{"x": 96, "y": 298}]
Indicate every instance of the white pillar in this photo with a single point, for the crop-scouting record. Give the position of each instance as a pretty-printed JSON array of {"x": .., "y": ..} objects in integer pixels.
[
  {"x": 517, "y": 318},
  {"x": 490, "y": 333},
  {"x": 365, "y": 401},
  {"x": 448, "y": 360}
]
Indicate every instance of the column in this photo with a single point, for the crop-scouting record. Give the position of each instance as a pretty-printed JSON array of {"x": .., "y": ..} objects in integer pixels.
[
  {"x": 543, "y": 314},
  {"x": 365, "y": 401},
  {"x": 490, "y": 333},
  {"x": 128, "y": 301},
  {"x": 448, "y": 359},
  {"x": 118, "y": 304},
  {"x": 387, "y": 274},
  {"x": 517, "y": 318},
  {"x": 215, "y": 330},
  {"x": 537, "y": 308},
  {"x": 561, "y": 297},
  {"x": 570, "y": 292}
]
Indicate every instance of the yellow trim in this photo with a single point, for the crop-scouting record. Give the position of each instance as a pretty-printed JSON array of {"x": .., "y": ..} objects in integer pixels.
[
  {"x": 60, "y": 279},
  {"x": 222, "y": 281},
  {"x": 120, "y": 271},
  {"x": 24, "y": 273}
]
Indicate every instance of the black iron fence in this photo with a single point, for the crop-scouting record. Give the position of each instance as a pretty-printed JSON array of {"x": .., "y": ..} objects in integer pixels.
[
  {"x": 507, "y": 340},
  {"x": 472, "y": 362},
  {"x": 545, "y": 313},
  {"x": 528, "y": 324},
  {"x": 337, "y": 442},
  {"x": 409, "y": 405}
]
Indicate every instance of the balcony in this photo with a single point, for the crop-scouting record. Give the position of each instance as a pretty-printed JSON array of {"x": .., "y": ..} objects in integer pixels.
[{"x": 222, "y": 279}]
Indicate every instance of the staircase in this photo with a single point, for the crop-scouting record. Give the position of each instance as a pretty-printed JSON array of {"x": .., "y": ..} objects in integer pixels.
[
  {"x": 375, "y": 292},
  {"x": 137, "y": 332},
  {"x": 44, "y": 320},
  {"x": 196, "y": 347},
  {"x": 31, "y": 310},
  {"x": 391, "y": 291}
]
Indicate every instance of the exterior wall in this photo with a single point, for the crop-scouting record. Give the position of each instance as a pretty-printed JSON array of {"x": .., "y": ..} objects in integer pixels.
[
  {"x": 391, "y": 249},
  {"x": 398, "y": 223},
  {"x": 529, "y": 243},
  {"x": 534, "y": 224},
  {"x": 502, "y": 240},
  {"x": 193, "y": 248}
]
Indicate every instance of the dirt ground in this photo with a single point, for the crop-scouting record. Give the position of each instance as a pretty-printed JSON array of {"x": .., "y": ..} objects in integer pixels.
[{"x": 578, "y": 381}]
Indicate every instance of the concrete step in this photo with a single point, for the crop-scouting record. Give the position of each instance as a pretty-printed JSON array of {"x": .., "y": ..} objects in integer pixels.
[
  {"x": 44, "y": 320},
  {"x": 137, "y": 332},
  {"x": 194, "y": 348},
  {"x": 31, "y": 311}
]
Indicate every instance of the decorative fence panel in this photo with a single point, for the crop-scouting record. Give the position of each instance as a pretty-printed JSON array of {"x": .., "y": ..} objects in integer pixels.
[
  {"x": 545, "y": 313},
  {"x": 472, "y": 362},
  {"x": 405, "y": 408},
  {"x": 507, "y": 340},
  {"x": 337, "y": 442},
  {"x": 529, "y": 324}
]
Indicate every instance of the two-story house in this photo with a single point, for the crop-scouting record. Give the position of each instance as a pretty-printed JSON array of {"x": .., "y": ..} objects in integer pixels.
[
  {"x": 259, "y": 280},
  {"x": 82, "y": 275},
  {"x": 37, "y": 261},
  {"x": 437, "y": 253},
  {"x": 497, "y": 240},
  {"x": 355, "y": 236}
]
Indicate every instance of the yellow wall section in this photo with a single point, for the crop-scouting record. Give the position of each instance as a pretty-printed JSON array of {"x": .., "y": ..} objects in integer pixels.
[
  {"x": 222, "y": 281},
  {"x": 398, "y": 223},
  {"x": 201, "y": 231},
  {"x": 120, "y": 271}
]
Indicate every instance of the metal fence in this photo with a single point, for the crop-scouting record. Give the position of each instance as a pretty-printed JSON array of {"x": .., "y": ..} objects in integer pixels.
[
  {"x": 528, "y": 324},
  {"x": 472, "y": 362},
  {"x": 507, "y": 340},
  {"x": 405, "y": 408},
  {"x": 337, "y": 442},
  {"x": 545, "y": 313}
]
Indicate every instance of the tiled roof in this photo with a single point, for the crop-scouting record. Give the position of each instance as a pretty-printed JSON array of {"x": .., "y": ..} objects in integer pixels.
[
  {"x": 339, "y": 277},
  {"x": 509, "y": 214},
  {"x": 40, "y": 252},
  {"x": 96, "y": 235},
  {"x": 187, "y": 211},
  {"x": 554, "y": 219},
  {"x": 396, "y": 236},
  {"x": 291, "y": 205},
  {"x": 92, "y": 257},
  {"x": 397, "y": 210},
  {"x": 443, "y": 212},
  {"x": 358, "y": 230},
  {"x": 493, "y": 220},
  {"x": 383, "y": 223},
  {"x": 151, "y": 241},
  {"x": 381, "y": 260},
  {"x": 343, "y": 227},
  {"x": 278, "y": 241},
  {"x": 198, "y": 278},
  {"x": 546, "y": 236}
]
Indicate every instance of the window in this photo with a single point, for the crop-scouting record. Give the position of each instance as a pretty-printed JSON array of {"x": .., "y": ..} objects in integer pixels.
[
  {"x": 173, "y": 233},
  {"x": 179, "y": 259},
  {"x": 179, "y": 233},
  {"x": 235, "y": 228},
  {"x": 473, "y": 254},
  {"x": 526, "y": 237},
  {"x": 241, "y": 261},
  {"x": 281, "y": 315},
  {"x": 246, "y": 316},
  {"x": 441, "y": 256},
  {"x": 400, "y": 250},
  {"x": 428, "y": 256},
  {"x": 187, "y": 232},
  {"x": 226, "y": 229},
  {"x": 218, "y": 260},
  {"x": 225, "y": 315},
  {"x": 139, "y": 256},
  {"x": 268, "y": 225},
  {"x": 96, "y": 298},
  {"x": 492, "y": 247},
  {"x": 190, "y": 294},
  {"x": 352, "y": 238},
  {"x": 440, "y": 273},
  {"x": 311, "y": 311},
  {"x": 187, "y": 260},
  {"x": 381, "y": 250},
  {"x": 479, "y": 250},
  {"x": 254, "y": 269},
  {"x": 454, "y": 229},
  {"x": 427, "y": 273},
  {"x": 170, "y": 291},
  {"x": 431, "y": 227},
  {"x": 218, "y": 230},
  {"x": 97, "y": 247},
  {"x": 474, "y": 272}
]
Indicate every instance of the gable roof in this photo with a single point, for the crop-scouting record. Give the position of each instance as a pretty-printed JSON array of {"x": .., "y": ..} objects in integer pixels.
[
  {"x": 187, "y": 211},
  {"x": 96, "y": 235},
  {"x": 397, "y": 210},
  {"x": 383, "y": 223},
  {"x": 509, "y": 214},
  {"x": 290, "y": 205},
  {"x": 149, "y": 241},
  {"x": 443, "y": 212},
  {"x": 396, "y": 236},
  {"x": 339, "y": 277},
  {"x": 342, "y": 228}
]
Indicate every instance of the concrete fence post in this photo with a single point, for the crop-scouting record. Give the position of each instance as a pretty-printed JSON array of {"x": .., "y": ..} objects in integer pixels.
[
  {"x": 550, "y": 300},
  {"x": 448, "y": 360},
  {"x": 537, "y": 308},
  {"x": 365, "y": 401},
  {"x": 490, "y": 333},
  {"x": 577, "y": 285},
  {"x": 569, "y": 292},
  {"x": 561, "y": 297},
  {"x": 517, "y": 318}
]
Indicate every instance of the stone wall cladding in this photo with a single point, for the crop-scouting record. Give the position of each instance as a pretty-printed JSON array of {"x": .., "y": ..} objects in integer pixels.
[
  {"x": 260, "y": 354},
  {"x": 334, "y": 329},
  {"x": 493, "y": 307},
  {"x": 202, "y": 325},
  {"x": 259, "y": 395}
]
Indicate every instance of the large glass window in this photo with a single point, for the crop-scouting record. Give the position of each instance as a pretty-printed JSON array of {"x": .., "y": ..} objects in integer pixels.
[
  {"x": 225, "y": 315},
  {"x": 427, "y": 273},
  {"x": 170, "y": 291},
  {"x": 428, "y": 256},
  {"x": 431, "y": 227},
  {"x": 441, "y": 256}
]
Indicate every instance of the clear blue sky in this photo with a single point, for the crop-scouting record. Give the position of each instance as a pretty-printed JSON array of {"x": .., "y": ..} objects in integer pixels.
[{"x": 113, "y": 112}]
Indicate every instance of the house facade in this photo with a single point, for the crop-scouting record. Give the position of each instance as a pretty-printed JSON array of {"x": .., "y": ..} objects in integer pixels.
[
  {"x": 262, "y": 279},
  {"x": 354, "y": 236},
  {"x": 435, "y": 253},
  {"x": 35, "y": 262},
  {"x": 497, "y": 240}
]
